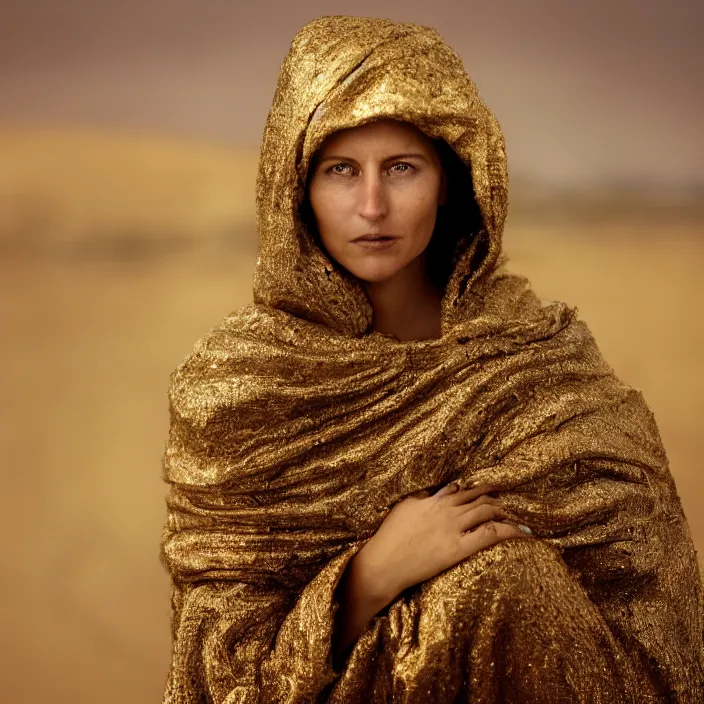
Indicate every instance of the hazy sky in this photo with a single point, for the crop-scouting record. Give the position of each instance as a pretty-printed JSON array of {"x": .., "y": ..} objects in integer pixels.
[{"x": 582, "y": 89}]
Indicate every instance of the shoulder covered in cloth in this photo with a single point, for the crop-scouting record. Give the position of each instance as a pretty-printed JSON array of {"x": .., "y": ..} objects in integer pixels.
[{"x": 289, "y": 442}]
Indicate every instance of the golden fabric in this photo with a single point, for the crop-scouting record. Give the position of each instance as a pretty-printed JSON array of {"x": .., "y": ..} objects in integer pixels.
[{"x": 295, "y": 428}]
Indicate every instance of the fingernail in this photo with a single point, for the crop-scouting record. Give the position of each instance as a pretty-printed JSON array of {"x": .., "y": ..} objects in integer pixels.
[
  {"x": 525, "y": 529},
  {"x": 452, "y": 487}
]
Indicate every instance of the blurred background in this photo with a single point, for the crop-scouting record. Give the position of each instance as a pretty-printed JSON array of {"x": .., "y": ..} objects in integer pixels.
[{"x": 129, "y": 136}]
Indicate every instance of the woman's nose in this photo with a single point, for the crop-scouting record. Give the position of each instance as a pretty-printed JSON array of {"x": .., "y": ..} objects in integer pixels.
[{"x": 373, "y": 201}]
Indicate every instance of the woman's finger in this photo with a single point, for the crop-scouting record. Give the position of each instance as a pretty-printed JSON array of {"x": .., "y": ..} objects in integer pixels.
[
  {"x": 462, "y": 504},
  {"x": 488, "y": 534},
  {"x": 450, "y": 488},
  {"x": 459, "y": 496},
  {"x": 469, "y": 520},
  {"x": 471, "y": 497}
]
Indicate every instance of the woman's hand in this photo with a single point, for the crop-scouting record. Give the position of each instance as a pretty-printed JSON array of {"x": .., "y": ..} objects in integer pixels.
[{"x": 422, "y": 537}]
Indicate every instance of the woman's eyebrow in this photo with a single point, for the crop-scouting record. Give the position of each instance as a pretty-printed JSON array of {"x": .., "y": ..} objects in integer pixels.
[{"x": 410, "y": 155}]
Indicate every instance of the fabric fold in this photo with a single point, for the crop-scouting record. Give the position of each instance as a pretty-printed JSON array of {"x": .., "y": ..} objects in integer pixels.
[
  {"x": 306, "y": 636},
  {"x": 241, "y": 644}
]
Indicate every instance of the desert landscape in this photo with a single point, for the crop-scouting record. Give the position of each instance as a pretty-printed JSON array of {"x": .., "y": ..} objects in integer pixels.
[{"x": 117, "y": 252}]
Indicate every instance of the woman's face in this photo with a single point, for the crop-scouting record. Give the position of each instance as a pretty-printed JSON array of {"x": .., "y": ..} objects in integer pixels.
[{"x": 382, "y": 178}]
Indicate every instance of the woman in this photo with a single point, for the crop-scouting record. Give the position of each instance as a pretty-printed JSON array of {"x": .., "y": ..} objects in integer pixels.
[{"x": 398, "y": 476}]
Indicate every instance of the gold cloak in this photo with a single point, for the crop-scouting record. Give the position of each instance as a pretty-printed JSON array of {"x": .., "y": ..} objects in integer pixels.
[{"x": 295, "y": 429}]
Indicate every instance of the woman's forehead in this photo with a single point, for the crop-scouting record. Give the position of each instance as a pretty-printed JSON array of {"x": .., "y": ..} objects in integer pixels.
[{"x": 381, "y": 135}]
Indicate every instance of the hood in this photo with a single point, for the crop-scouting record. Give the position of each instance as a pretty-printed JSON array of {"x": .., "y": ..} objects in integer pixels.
[{"x": 343, "y": 72}]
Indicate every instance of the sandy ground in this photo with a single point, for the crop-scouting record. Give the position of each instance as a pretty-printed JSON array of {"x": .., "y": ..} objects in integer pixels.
[{"x": 88, "y": 347}]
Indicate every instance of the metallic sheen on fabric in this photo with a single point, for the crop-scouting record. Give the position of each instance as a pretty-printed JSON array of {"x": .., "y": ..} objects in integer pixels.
[{"x": 295, "y": 428}]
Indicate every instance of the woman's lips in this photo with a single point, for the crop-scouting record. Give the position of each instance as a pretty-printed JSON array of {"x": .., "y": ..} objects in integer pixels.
[
  {"x": 375, "y": 241},
  {"x": 378, "y": 243}
]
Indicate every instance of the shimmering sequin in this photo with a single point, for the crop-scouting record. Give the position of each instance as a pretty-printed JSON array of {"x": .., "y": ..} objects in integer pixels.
[{"x": 294, "y": 430}]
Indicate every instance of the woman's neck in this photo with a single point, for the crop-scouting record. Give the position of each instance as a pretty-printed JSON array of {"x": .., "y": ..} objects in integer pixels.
[{"x": 407, "y": 306}]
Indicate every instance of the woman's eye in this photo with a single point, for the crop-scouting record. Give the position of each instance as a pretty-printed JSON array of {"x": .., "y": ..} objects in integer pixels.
[
  {"x": 341, "y": 168},
  {"x": 336, "y": 169}
]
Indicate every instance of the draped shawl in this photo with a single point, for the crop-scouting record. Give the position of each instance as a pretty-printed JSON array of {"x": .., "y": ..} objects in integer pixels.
[{"x": 295, "y": 428}]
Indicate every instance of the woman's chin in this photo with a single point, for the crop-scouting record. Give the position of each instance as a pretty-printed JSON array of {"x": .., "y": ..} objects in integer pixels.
[{"x": 374, "y": 274}]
